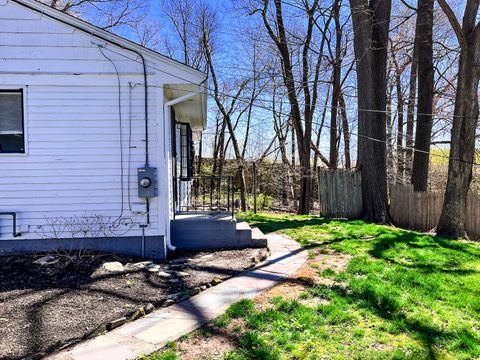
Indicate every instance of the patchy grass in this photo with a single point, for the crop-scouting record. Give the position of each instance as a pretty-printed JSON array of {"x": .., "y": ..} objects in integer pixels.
[{"x": 398, "y": 295}]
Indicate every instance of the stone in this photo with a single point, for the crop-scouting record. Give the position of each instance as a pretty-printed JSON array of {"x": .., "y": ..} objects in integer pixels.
[
  {"x": 203, "y": 287},
  {"x": 138, "y": 266},
  {"x": 184, "y": 296},
  {"x": 182, "y": 274},
  {"x": 205, "y": 257},
  {"x": 3, "y": 320},
  {"x": 46, "y": 260},
  {"x": 216, "y": 280},
  {"x": 194, "y": 291},
  {"x": 164, "y": 274},
  {"x": 176, "y": 266},
  {"x": 116, "y": 323},
  {"x": 168, "y": 302},
  {"x": 174, "y": 280},
  {"x": 153, "y": 268},
  {"x": 255, "y": 260},
  {"x": 137, "y": 314},
  {"x": 100, "y": 330},
  {"x": 149, "y": 308},
  {"x": 174, "y": 296},
  {"x": 113, "y": 266}
]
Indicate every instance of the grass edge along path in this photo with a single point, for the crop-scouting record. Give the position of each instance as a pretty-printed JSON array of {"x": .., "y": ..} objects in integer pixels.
[{"x": 402, "y": 295}]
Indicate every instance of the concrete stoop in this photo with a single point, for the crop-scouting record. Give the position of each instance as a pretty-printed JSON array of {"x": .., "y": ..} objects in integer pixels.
[{"x": 214, "y": 231}]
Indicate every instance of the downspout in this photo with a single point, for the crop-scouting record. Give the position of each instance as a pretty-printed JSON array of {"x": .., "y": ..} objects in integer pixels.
[{"x": 166, "y": 142}]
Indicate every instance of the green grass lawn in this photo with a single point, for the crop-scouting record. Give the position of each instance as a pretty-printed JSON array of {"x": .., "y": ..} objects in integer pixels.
[{"x": 403, "y": 295}]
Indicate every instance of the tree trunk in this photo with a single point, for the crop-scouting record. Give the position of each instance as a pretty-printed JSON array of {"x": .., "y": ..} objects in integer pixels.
[
  {"x": 423, "y": 135},
  {"x": 336, "y": 78},
  {"x": 462, "y": 151},
  {"x": 370, "y": 26},
  {"x": 411, "y": 111},
  {"x": 400, "y": 149},
  {"x": 346, "y": 131}
]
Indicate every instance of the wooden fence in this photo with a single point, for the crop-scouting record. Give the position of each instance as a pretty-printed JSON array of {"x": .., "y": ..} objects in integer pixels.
[
  {"x": 340, "y": 193},
  {"x": 421, "y": 210}
]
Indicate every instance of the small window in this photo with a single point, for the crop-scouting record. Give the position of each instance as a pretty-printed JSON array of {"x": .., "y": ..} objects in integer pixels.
[
  {"x": 12, "y": 137},
  {"x": 186, "y": 146}
]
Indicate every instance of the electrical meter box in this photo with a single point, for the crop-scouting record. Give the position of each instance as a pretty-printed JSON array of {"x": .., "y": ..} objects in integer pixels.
[{"x": 147, "y": 182}]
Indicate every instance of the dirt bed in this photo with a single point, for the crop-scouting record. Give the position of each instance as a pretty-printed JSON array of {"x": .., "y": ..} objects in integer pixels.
[{"x": 69, "y": 297}]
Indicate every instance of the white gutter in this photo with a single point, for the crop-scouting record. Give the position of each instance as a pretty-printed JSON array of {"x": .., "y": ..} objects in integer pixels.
[{"x": 166, "y": 142}]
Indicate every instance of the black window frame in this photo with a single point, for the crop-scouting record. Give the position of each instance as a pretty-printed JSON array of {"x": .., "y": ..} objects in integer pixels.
[
  {"x": 22, "y": 99},
  {"x": 186, "y": 140}
]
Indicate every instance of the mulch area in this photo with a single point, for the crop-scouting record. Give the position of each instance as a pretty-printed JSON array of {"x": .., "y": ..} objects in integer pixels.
[{"x": 46, "y": 307}]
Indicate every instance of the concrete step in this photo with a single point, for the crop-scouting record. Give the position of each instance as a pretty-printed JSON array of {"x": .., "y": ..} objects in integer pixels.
[
  {"x": 259, "y": 239},
  {"x": 221, "y": 231}
]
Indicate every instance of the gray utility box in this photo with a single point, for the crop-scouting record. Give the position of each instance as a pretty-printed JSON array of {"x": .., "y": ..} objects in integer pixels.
[{"x": 147, "y": 182}]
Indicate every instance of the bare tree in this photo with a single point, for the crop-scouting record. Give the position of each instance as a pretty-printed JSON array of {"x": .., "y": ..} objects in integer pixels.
[
  {"x": 106, "y": 14},
  {"x": 462, "y": 150},
  {"x": 185, "y": 19},
  {"x": 309, "y": 73}
]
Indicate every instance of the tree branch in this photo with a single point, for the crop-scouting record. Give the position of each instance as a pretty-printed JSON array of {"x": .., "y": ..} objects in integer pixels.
[{"x": 454, "y": 23}]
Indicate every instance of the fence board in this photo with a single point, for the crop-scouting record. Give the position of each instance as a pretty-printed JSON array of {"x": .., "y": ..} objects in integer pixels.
[
  {"x": 421, "y": 210},
  {"x": 340, "y": 193}
]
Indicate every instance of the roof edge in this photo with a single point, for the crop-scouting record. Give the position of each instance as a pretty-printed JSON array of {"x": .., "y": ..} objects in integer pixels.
[{"x": 103, "y": 34}]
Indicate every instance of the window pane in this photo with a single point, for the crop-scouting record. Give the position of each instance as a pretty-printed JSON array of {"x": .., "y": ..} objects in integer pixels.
[
  {"x": 11, "y": 122},
  {"x": 11, "y": 113}
]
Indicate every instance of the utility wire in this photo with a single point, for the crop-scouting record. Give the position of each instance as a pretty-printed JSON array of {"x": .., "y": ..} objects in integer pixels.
[{"x": 204, "y": 87}]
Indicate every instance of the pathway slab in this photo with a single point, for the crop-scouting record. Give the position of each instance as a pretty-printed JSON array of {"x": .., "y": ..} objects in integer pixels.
[{"x": 161, "y": 326}]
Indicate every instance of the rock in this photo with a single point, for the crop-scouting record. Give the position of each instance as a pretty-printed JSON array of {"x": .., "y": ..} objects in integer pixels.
[
  {"x": 3, "y": 320},
  {"x": 113, "y": 266},
  {"x": 264, "y": 256},
  {"x": 174, "y": 280},
  {"x": 149, "y": 308},
  {"x": 46, "y": 260},
  {"x": 138, "y": 266},
  {"x": 177, "y": 297},
  {"x": 153, "y": 268},
  {"x": 168, "y": 302},
  {"x": 137, "y": 314},
  {"x": 182, "y": 274},
  {"x": 216, "y": 280},
  {"x": 174, "y": 296},
  {"x": 176, "y": 266},
  {"x": 116, "y": 323},
  {"x": 194, "y": 291},
  {"x": 184, "y": 296},
  {"x": 209, "y": 285},
  {"x": 164, "y": 274},
  {"x": 206, "y": 257},
  {"x": 203, "y": 287}
]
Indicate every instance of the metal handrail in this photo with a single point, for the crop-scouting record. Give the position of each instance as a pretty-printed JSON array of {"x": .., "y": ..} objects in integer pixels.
[{"x": 203, "y": 193}]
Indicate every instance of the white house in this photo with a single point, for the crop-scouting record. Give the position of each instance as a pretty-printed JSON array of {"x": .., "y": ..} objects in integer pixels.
[{"x": 85, "y": 117}]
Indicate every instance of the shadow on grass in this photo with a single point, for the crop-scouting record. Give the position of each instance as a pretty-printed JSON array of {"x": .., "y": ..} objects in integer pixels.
[{"x": 429, "y": 259}]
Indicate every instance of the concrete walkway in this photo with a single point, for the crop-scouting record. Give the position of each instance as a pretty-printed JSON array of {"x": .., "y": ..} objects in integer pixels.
[{"x": 153, "y": 331}]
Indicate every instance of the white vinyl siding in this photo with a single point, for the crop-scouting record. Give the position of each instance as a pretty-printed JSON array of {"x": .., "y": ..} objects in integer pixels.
[{"x": 73, "y": 168}]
